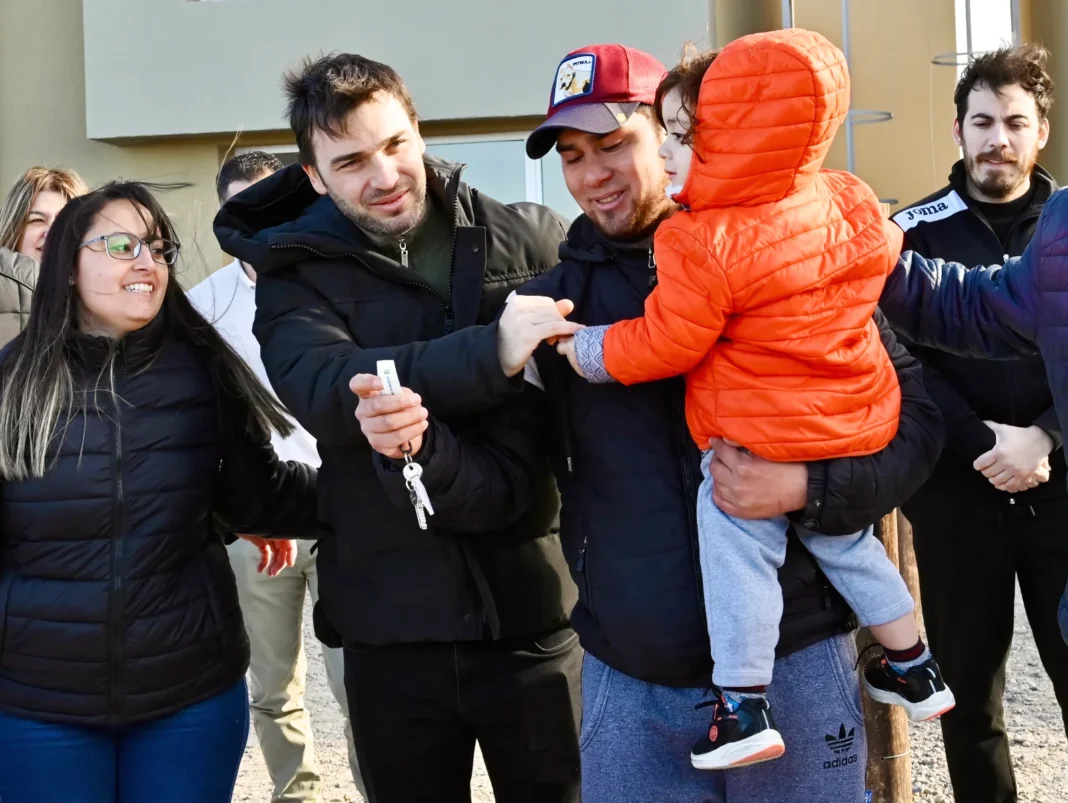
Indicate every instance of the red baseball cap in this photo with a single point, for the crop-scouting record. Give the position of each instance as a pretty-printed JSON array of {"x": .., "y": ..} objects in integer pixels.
[{"x": 596, "y": 90}]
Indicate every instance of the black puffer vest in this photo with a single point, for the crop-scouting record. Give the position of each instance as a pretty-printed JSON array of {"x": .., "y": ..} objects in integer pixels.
[{"x": 117, "y": 602}]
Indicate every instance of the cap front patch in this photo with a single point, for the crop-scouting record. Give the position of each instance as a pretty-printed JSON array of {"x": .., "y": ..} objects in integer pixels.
[{"x": 574, "y": 78}]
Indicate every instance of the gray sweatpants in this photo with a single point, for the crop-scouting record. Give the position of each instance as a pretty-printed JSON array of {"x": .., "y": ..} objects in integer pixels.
[{"x": 740, "y": 561}]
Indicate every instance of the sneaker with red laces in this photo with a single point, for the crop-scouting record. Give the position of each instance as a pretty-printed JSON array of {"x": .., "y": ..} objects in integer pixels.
[{"x": 739, "y": 737}]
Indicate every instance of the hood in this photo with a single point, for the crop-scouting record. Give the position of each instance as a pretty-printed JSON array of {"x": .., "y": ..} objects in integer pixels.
[
  {"x": 18, "y": 268},
  {"x": 284, "y": 209},
  {"x": 768, "y": 110}
]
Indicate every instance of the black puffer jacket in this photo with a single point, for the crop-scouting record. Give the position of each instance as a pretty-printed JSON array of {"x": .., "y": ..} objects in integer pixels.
[
  {"x": 117, "y": 602},
  {"x": 629, "y": 472},
  {"x": 329, "y": 306}
]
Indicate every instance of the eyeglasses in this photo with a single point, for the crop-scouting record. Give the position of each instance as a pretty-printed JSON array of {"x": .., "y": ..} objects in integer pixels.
[{"x": 126, "y": 246}]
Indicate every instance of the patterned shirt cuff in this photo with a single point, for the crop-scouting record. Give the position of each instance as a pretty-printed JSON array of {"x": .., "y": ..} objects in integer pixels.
[{"x": 589, "y": 350}]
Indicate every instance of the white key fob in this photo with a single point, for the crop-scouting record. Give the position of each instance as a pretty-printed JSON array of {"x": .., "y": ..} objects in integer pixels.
[{"x": 387, "y": 372}]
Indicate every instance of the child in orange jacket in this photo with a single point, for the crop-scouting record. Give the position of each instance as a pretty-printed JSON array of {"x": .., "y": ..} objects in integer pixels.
[{"x": 767, "y": 284}]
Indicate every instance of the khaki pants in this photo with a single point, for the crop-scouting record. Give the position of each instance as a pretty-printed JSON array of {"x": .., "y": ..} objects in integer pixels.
[{"x": 273, "y": 608}]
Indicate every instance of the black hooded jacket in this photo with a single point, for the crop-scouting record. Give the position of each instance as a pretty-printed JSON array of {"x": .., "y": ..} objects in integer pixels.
[
  {"x": 329, "y": 307},
  {"x": 629, "y": 472}
]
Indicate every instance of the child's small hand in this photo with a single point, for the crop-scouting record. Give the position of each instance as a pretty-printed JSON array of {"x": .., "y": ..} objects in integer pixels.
[{"x": 565, "y": 346}]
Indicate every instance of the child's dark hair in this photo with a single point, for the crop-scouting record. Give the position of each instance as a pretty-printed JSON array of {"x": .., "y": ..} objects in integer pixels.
[{"x": 686, "y": 77}]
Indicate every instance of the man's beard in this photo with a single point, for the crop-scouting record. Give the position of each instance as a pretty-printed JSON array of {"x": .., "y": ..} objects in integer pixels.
[
  {"x": 391, "y": 227},
  {"x": 1001, "y": 184},
  {"x": 646, "y": 215}
]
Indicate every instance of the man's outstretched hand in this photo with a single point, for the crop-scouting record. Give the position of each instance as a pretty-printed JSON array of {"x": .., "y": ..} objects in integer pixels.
[
  {"x": 525, "y": 323},
  {"x": 390, "y": 423}
]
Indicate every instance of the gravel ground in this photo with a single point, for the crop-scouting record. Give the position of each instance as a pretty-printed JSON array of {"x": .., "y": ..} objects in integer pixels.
[
  {"x": 1039, "y": 748},
  {"x": 1036, "y": 732}
]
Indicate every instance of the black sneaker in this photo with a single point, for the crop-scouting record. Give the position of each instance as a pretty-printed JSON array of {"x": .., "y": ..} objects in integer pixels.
[
  {"x": 739, "y": 738},
  {"x": 920, "y": 691}
]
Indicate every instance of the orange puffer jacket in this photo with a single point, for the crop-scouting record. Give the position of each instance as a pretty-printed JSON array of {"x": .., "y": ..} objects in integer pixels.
[{"x": 768, "y": 283}]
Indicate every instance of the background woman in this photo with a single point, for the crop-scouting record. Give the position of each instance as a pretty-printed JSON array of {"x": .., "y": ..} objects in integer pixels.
[
  {"x": 25, "y": 217},
  {"x": 131, "y": 435}
]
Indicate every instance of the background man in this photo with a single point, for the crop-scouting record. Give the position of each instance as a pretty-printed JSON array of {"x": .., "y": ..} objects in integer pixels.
[
  {"x": 976, "y": 536},
  {"x": 273, "y": 607}
]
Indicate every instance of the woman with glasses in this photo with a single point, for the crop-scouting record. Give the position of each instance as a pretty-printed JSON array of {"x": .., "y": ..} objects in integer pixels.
[
  {"x": 131, "y": 436},
  {"x": 25, "y": 217}
]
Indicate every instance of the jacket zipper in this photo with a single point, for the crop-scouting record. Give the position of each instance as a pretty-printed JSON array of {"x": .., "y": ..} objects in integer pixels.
[
  {"x": 582, "y": 567},
  {"x": 1026, "y": 218},
  {"x": 118, "y": 528},
  {"x": 452, "y": 190}
]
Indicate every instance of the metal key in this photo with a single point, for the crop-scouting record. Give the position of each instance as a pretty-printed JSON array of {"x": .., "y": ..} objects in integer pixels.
[{"x": 417, "y": 491}]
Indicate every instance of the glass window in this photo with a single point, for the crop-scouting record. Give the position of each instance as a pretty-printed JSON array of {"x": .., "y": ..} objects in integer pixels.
[
  {"x": 991, "y": 26},
  {"x": 493, "y": 167}
]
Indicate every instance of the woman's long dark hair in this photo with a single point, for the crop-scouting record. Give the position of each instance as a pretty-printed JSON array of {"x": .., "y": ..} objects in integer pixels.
[{"x": 36, "y": 383}]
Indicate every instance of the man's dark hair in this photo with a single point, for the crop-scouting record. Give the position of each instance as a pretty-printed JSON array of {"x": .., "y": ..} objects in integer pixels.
[
  {"x": 245, "y": 167},
  {"x": 1024, "y": 65},
  {"x": 322, "y": 93}
]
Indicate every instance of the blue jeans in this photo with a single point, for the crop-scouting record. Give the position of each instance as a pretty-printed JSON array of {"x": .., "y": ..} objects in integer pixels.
[
  {"x": 636, "y": 736},
  {"x": 192, "y": 755}
]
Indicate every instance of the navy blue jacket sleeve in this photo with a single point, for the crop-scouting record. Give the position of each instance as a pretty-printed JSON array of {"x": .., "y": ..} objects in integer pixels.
[
  {"x": 483, "y": 475},
  {"x": 1049, "y": 422},
  {"x": 847, "y": 494},
  {"x": 983, "y": 312}
]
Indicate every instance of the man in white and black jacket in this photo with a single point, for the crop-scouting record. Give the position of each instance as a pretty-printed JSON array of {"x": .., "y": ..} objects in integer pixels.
[{"x": 996, "y": 506}]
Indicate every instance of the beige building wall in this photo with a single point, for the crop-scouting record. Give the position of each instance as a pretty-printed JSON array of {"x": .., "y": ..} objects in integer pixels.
[
  {"x": 462, "y": 59},
  {"x": 162, "y": 106},
  {"x": 1046, "y": 21},
  {"x": 43, "y": 89},
  {"x": 42, "y": 121},
  {"x": 892, "y": 46}
]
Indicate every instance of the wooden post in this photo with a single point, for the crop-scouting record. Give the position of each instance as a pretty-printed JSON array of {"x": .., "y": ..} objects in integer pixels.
[
  {"x": 906, "y": 552},
  {"x": 889, "y": 769}
]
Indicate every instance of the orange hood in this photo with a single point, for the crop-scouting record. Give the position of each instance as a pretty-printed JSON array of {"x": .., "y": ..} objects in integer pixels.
[{"x": 769, "y": 107}]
